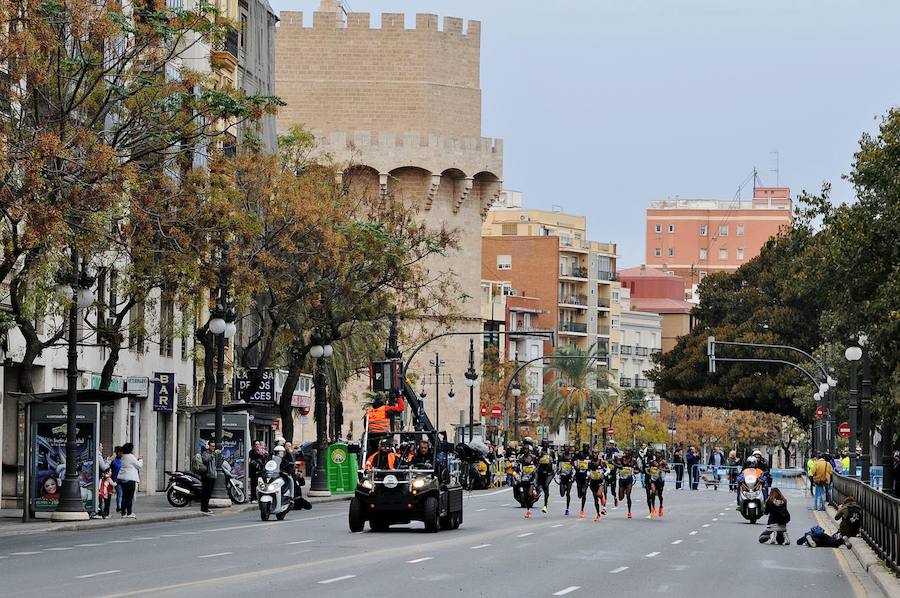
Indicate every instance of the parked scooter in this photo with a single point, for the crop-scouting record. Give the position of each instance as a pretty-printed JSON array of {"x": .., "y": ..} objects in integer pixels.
[
  {"x": 234, "y": 485},
  {"x": 275, "y": 491},
  {"x": 751, "y": 492},
  {"x": 183, "y": 488}
]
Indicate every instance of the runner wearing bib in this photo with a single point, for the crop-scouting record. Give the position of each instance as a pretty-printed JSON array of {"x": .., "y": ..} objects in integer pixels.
[
  {"x": 597, "y": 482},
  {"x": 582, "y": 462},
  {"x": 566, "y": 471},
  {"x": 655, "y": 480},
  {"x": 626, "y": 466},
  {"x": 545, "y": 471}
]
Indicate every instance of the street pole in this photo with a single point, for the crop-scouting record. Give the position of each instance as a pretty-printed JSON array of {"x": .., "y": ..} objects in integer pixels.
[
  {"x": 219, "y": 498},
  {"x": 319, "y": 485},
  {"x": 854, "y": 407},
  {"x": 70, "y": 506},
  {"x": 471, "y": 376},
  {"x": 865, "y": 403},
  {"x": 436, "y": 362}
]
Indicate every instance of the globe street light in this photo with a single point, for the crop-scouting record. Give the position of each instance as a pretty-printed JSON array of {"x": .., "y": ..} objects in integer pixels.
[
  {"x": 853, "y": 354},
  {"x": 471, "y": 376},
  {"x": 221, "y": 325},
  {"x": 320, "y": 350},
  {"x": 78, "y": 285}
]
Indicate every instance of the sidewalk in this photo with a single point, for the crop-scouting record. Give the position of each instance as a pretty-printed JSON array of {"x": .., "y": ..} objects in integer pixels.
[{"x": 147, "y": 508}]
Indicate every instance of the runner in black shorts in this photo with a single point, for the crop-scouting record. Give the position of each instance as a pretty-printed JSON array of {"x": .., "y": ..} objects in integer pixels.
[
  {"x": 626, "y": 466},
  {"x": 597, "y": 483},
  {"x": 655, "y": 480},
  {"x": 566, "y": 471},
  {"x": 582, "y": 461},
  {"x": 545, "y": 471}
]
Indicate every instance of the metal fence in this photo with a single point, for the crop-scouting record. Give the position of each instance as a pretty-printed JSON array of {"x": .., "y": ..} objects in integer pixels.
[{"x": 881, "y": 517}]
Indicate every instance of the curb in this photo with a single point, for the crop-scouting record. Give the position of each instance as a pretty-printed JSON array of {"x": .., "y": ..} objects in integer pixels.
[{"x": 886, "y": 581}]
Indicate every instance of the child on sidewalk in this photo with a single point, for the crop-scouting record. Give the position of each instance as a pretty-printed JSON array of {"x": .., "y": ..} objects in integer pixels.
[
  {"x": 106, "y": 486},
  {"x": 779, "y": 517}
]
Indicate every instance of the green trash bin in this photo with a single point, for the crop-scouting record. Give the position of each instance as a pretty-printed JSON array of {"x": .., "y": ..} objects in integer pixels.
[{"x": 341, "y": 467}]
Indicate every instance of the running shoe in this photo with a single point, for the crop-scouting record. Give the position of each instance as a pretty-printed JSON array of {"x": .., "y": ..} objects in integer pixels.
[
  {"x": 660, "y": 514},
  {"x": 528, "y": 514},
  {"x": 650, "y": 516},
  {"x": 616, "y": 504},
  {"x": 603, "y": 511},
  {"x": 581, "y": 515},
  {"x": 597, "y": 518},
  {"x": 544, "y": 509},
  {"x": 567, "y": 512},
  {"x": 629, "y": 514}
]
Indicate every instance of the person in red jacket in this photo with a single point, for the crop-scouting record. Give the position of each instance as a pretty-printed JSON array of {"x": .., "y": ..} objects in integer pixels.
[{"x": 378, "y": 418}]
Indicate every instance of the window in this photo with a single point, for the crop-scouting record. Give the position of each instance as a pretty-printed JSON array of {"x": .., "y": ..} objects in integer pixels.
[
  {"x": 702, "y": 274},
  {"x": 615, "y": 296},
  {"x": 504, "y": 262},
  {"x": 657, "y": 252},
  {"x": 166, "y": 327},
  {"x": 740, "y": 230},
  {"x": 703, "y": 230},
  {"x": 509, "y": 230},
  {"x": 671, "y": 251},
  {"x": 703, "y": 254},
  {"x": 653, "y": 344},
  {"x": 723, "y": 230},
  {"x": 614, "y": 323},
  {"x": 723, "y": 254},
  {"x": 740, "y": 253},
  {"x": 659, "y": 228},
  {"x": 136, "y": 328},
  {"x": 671, "y": 228}
]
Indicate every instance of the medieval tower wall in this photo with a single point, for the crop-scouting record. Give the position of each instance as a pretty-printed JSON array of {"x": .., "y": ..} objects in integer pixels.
[{"x": 402, "y": 108}]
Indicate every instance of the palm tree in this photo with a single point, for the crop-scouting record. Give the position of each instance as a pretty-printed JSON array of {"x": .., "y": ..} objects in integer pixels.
[{"x": 573, "y": 392}]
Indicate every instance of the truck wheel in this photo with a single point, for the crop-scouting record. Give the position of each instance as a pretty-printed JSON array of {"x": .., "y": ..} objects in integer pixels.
[
  {"x": 430, "y": 514},
  {"x": 356, "y": 518},
  {"x": 447, "y": 522}
]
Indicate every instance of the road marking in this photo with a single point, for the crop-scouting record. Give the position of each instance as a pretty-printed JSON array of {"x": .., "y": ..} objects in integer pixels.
[
  {"x": 480, "y": 546},
  {"x": 147, "y": 538},
  {"x": 209, "y": 556},
  {"x": 480, "y": 510},
  {"x": 705, "y": 525},
  {"x": 715, "y": 518},
  {"x": 506, "y": 504},
  {"x": 676, "y": 542},
  {"x": 565, "y": 591},
  {"x": 618, "y": 569},
  {"x": 694, "y": 533},
  {"x": 557, "y": 525},
  {"x": 721, "y": 514},
  {"x": 27, "y": 553},
  {"x": 299, "y": 542},
  {"x": 421, "y": 560},
  {"x": 525, "y": 535},
  {"x": 86, "y": 545},
  {"x": 651, "y": 555},
  {"x": 334, "y": 579},
  {"x": 118, "y": 541},
  {"x": 60, "y": 548},
  {"x": 234, "y": 527},
  {"x": 97, "y": 574},
  {"x": 169, "y": 535},
  {"x": 490, "y": 493}
]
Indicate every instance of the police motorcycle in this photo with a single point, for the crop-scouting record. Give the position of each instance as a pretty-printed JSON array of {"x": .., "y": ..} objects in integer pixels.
[
  {"x": 526, "y": 490},
  {"x": 276, "y": 489},
  {"x": 474, "y": 466},
  {"x": 751, "y": 482}
]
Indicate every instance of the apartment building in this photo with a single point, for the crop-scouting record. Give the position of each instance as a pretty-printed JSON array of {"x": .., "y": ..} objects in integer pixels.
[
  {"x": 695, "y": 237},
  {"x": 660, "y": 292},
  {"x": 641, "y": 335}
]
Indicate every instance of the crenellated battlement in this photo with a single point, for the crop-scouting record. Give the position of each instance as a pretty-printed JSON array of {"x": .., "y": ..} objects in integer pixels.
[{"x": 454, "y": 27}]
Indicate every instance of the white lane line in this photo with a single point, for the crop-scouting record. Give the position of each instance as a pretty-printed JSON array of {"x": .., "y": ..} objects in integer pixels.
[
  {"x": 506, "y": 504},
  {"x": 480, "y": 546},
  {"x": 525, "y": 535},
  {"x": 565, "y": 591},
  {"x": 209, "y": 556},
  {"x": 334, "y": 579},
  {"x": 618, "y": 569},
  {"x": 421, "y": 560},
  {"x": 489, "y": 493},
  {"x": 27, "y": 553},
  {"x": 480, "y": 510},
  {"x": 299, "y": 542},
  {"x": 721, "y": 514},
  {"x": 693, "y": 533},
  {"x": 87, "y": 545},
  {"x": 118, "y": 541},
  {"x": 651, "y": 555},
  {"x": 676, "y": 542},
  {"x": 557, "y": 525},
  {"x": 287, "y": 521},
  {"x": 705, "y": 525},
  {"x": 715, "y": 519},
  {"x": 147, "y": 538},
  {"x": 169, "y": 535},
  {"x": 97, "y": 574},
  {"x": 60, "y": 548}
]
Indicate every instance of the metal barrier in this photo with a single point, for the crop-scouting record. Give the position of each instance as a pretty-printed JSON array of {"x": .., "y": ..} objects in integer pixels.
[
  {"x": 498, "y": 472},
  {"x": 881, "y": 517}
]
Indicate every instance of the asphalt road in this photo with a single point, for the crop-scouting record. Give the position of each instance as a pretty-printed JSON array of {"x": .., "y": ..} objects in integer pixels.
[{"x": 700, "y": 548}]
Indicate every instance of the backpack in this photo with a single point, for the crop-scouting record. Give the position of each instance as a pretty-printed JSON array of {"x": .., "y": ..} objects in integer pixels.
[{"x": 197, "y": 465}]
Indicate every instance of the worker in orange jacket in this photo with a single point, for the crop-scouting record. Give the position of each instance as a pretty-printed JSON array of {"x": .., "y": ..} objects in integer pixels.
[
  {"x": 385, "y": 457},
  {"x": 379, "y": 420}
]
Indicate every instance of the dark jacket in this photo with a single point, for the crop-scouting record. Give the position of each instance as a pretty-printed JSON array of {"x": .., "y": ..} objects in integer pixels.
[
  {"x": 778, "y": 514},
  {"x": 209, "y": 460},
  {"x": 850, "y": 516}
]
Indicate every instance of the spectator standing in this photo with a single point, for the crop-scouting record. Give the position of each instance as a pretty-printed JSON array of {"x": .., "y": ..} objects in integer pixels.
[
  {"x": 895, "y": 471},
  {"x": 115, "y": 464},
  {"x": 258, "y": 458},
  {"x": 692, "y": 459},
  {"x": 733, "y": 466},
  {"x": 129, "y": 477},
  {"x": 678, "y": 463},
  {"x": 822, "y": 471},
  {"x": 810, "y": 466},
  {"x": 209, "y": 455},
  {"x": 716, "y": 461},
  {"x": 107, "y": 485}
]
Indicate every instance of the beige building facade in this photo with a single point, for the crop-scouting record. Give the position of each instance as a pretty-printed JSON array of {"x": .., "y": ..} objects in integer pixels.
[{"x": 400, "y": 109}]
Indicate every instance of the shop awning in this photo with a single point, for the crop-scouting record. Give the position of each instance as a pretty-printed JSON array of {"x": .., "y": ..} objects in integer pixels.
[{"x": 86, "y": 395}]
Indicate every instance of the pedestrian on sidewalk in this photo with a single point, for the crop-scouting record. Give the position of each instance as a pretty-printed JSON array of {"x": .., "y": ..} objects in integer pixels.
[
  {"x": 810, "y": 466},
  {"x": 779, "y": 517},
  {"x": 691, "y": 459},
  {"x": 115, "y": 464},
  {"x": 107, "y": 485},
  {"x": 210, "y": 455},
  {"x": 258, "y": 458},
  {"x": 821, "y": 478},
  {"x": 129, "y": 477},
  {"x": 734, "y": 466},
  {"x": 678, "y": 462},
  {"x": 895, "y": 471}
]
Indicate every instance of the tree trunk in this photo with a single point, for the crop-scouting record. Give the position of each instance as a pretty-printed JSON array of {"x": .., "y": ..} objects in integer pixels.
[
  {"x": 287, "y": 392},
  {"x": 116, "y": 339},
  {"x": 32, "y": 350},
  {"x": 206, "y": 340}
]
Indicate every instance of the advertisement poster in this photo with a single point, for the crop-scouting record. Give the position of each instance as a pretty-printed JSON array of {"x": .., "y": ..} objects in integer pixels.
[
  {"x": 49, "y": 454},
  {"x": 164, "y": 391},
  {"x": 232, "y": 447}
]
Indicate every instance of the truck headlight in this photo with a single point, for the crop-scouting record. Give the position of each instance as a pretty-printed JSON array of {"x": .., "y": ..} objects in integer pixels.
[
  {"x": 418, "y": 483},
  {"x": 367, "y": 484}
]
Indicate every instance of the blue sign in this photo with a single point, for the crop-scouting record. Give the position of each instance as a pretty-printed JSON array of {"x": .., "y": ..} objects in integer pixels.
[{"x": 164, "y": 391}]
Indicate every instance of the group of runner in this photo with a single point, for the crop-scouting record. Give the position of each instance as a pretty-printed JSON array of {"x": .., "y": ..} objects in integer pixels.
[{"x": 610, "y": 472}]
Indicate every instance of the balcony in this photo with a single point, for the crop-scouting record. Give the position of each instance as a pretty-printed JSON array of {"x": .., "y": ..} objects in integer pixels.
[
  {"x": 604, "y": 330},
  {"x": 580, "y": 272},
  {"x": 641, "y": 351},
  {"x": 625, "y": 383},
  {"x": 224, "y": 53},
  {"x": 603, "y": 302},
  {"x": 626, "y": 350},
  {"x": 577, "y": 327},
  {"x": 607, "y": 276},
  {"x": 579, "y": 299}
]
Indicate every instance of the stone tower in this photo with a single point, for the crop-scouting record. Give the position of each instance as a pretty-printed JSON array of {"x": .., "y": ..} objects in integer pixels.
[{"x": 404, "y": 106}]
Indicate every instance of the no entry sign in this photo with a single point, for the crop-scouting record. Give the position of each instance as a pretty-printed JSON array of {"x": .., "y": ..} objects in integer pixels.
[
  {"x": 610, "y": 432},
  {"x": 496, "y": 411},
  {"x": 844, "y": 430}
]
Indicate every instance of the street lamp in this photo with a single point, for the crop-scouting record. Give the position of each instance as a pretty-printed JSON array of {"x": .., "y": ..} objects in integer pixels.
[
  {"x": 320, "y": 350},
  {"x": 78, "y": 285},
  {"x": 436, "y": 363},
  {"x": 516, "y": 393},
  {"x": 221, "y": 325},
  {"x": 591, "y": 420},
  {"x": 672, "y": 430},
  {"x": 853, "y": 354},
  {"x": 471, "y": 376}
]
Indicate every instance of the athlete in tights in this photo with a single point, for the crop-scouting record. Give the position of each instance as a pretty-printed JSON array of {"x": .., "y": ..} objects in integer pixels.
[
  {"x": 626, "y": 464},
  {"x": 565, "y": 469},
  {"x": 597, "y": 482},
  {"x": 545, "y": 471},
  {"x": 582, "y": 463},
  {"x": 655, "y": 468}
]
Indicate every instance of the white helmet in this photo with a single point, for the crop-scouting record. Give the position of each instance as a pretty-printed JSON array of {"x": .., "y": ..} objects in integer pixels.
[
  {"x": 279, "y": 440},
  {"x": 757, "y": 452},
  {"x": 278, "y": 449},
  {"x": 752, "y": 460}
]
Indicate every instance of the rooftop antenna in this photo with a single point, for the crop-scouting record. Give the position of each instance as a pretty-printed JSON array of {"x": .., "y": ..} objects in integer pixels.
[{"x": 777, "y": 169}]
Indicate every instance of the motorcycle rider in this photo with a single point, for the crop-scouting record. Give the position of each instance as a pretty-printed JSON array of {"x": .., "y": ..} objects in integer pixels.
[
  {"x": 762, "y": 464},
  {"x": 582, "y": 462},
  {"x": 385, "y": 457},
  {"x": 545, "y": 471},
  {"x": 655, "y": 479},
  {"x": 626, "y": 463},
  {"x": 597, "y": 475},
  {"x": 566, "y": 471},
  {"x": 258, "y": 458},
  {"x": 752, "y": 463}
]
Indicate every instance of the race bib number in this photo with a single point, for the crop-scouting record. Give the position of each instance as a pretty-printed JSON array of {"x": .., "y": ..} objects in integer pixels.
[
  {"x": 582, "y": 465},
  {"x": 654, "y": 471},
  {"x": 567, "y": 467},
  {"x": 544, "y": 460},
  {"x": 528, "y": 469},
  {"x": 596, "y": 475},
  {"x": 625, "y": 472}
]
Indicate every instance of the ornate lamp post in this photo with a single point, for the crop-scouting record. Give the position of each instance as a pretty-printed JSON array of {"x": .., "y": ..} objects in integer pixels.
[
  {"x": 853, "y": 354},
  {"x": 591, "y": 420},
  {"x": 516, "y": 393},
  {"x": 77, "y": 285},
  {"x": 672, "y": 431},
  {"x": 320, "y": 350},
  {"x": 471, "y": 376},
  {"x": 222, "y": 326}
]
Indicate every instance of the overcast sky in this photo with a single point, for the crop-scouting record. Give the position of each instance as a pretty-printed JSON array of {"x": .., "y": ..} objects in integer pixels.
[{"x": 607, "y": 105}]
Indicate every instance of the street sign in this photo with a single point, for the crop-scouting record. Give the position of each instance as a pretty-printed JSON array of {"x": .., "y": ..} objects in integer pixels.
[
  {"x": 265, "y": 392},
  {"x": 819, "y": 412},
  {"x": 610, "y": 432},
  {"x": 484, "y": 411},
  {"x": 844, "y": 430},
  {"x": 496, "y": 411}
]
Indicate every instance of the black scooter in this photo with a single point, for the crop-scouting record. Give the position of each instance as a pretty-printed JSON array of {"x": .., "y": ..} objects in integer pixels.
[{"x": 183, "y": 488}]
